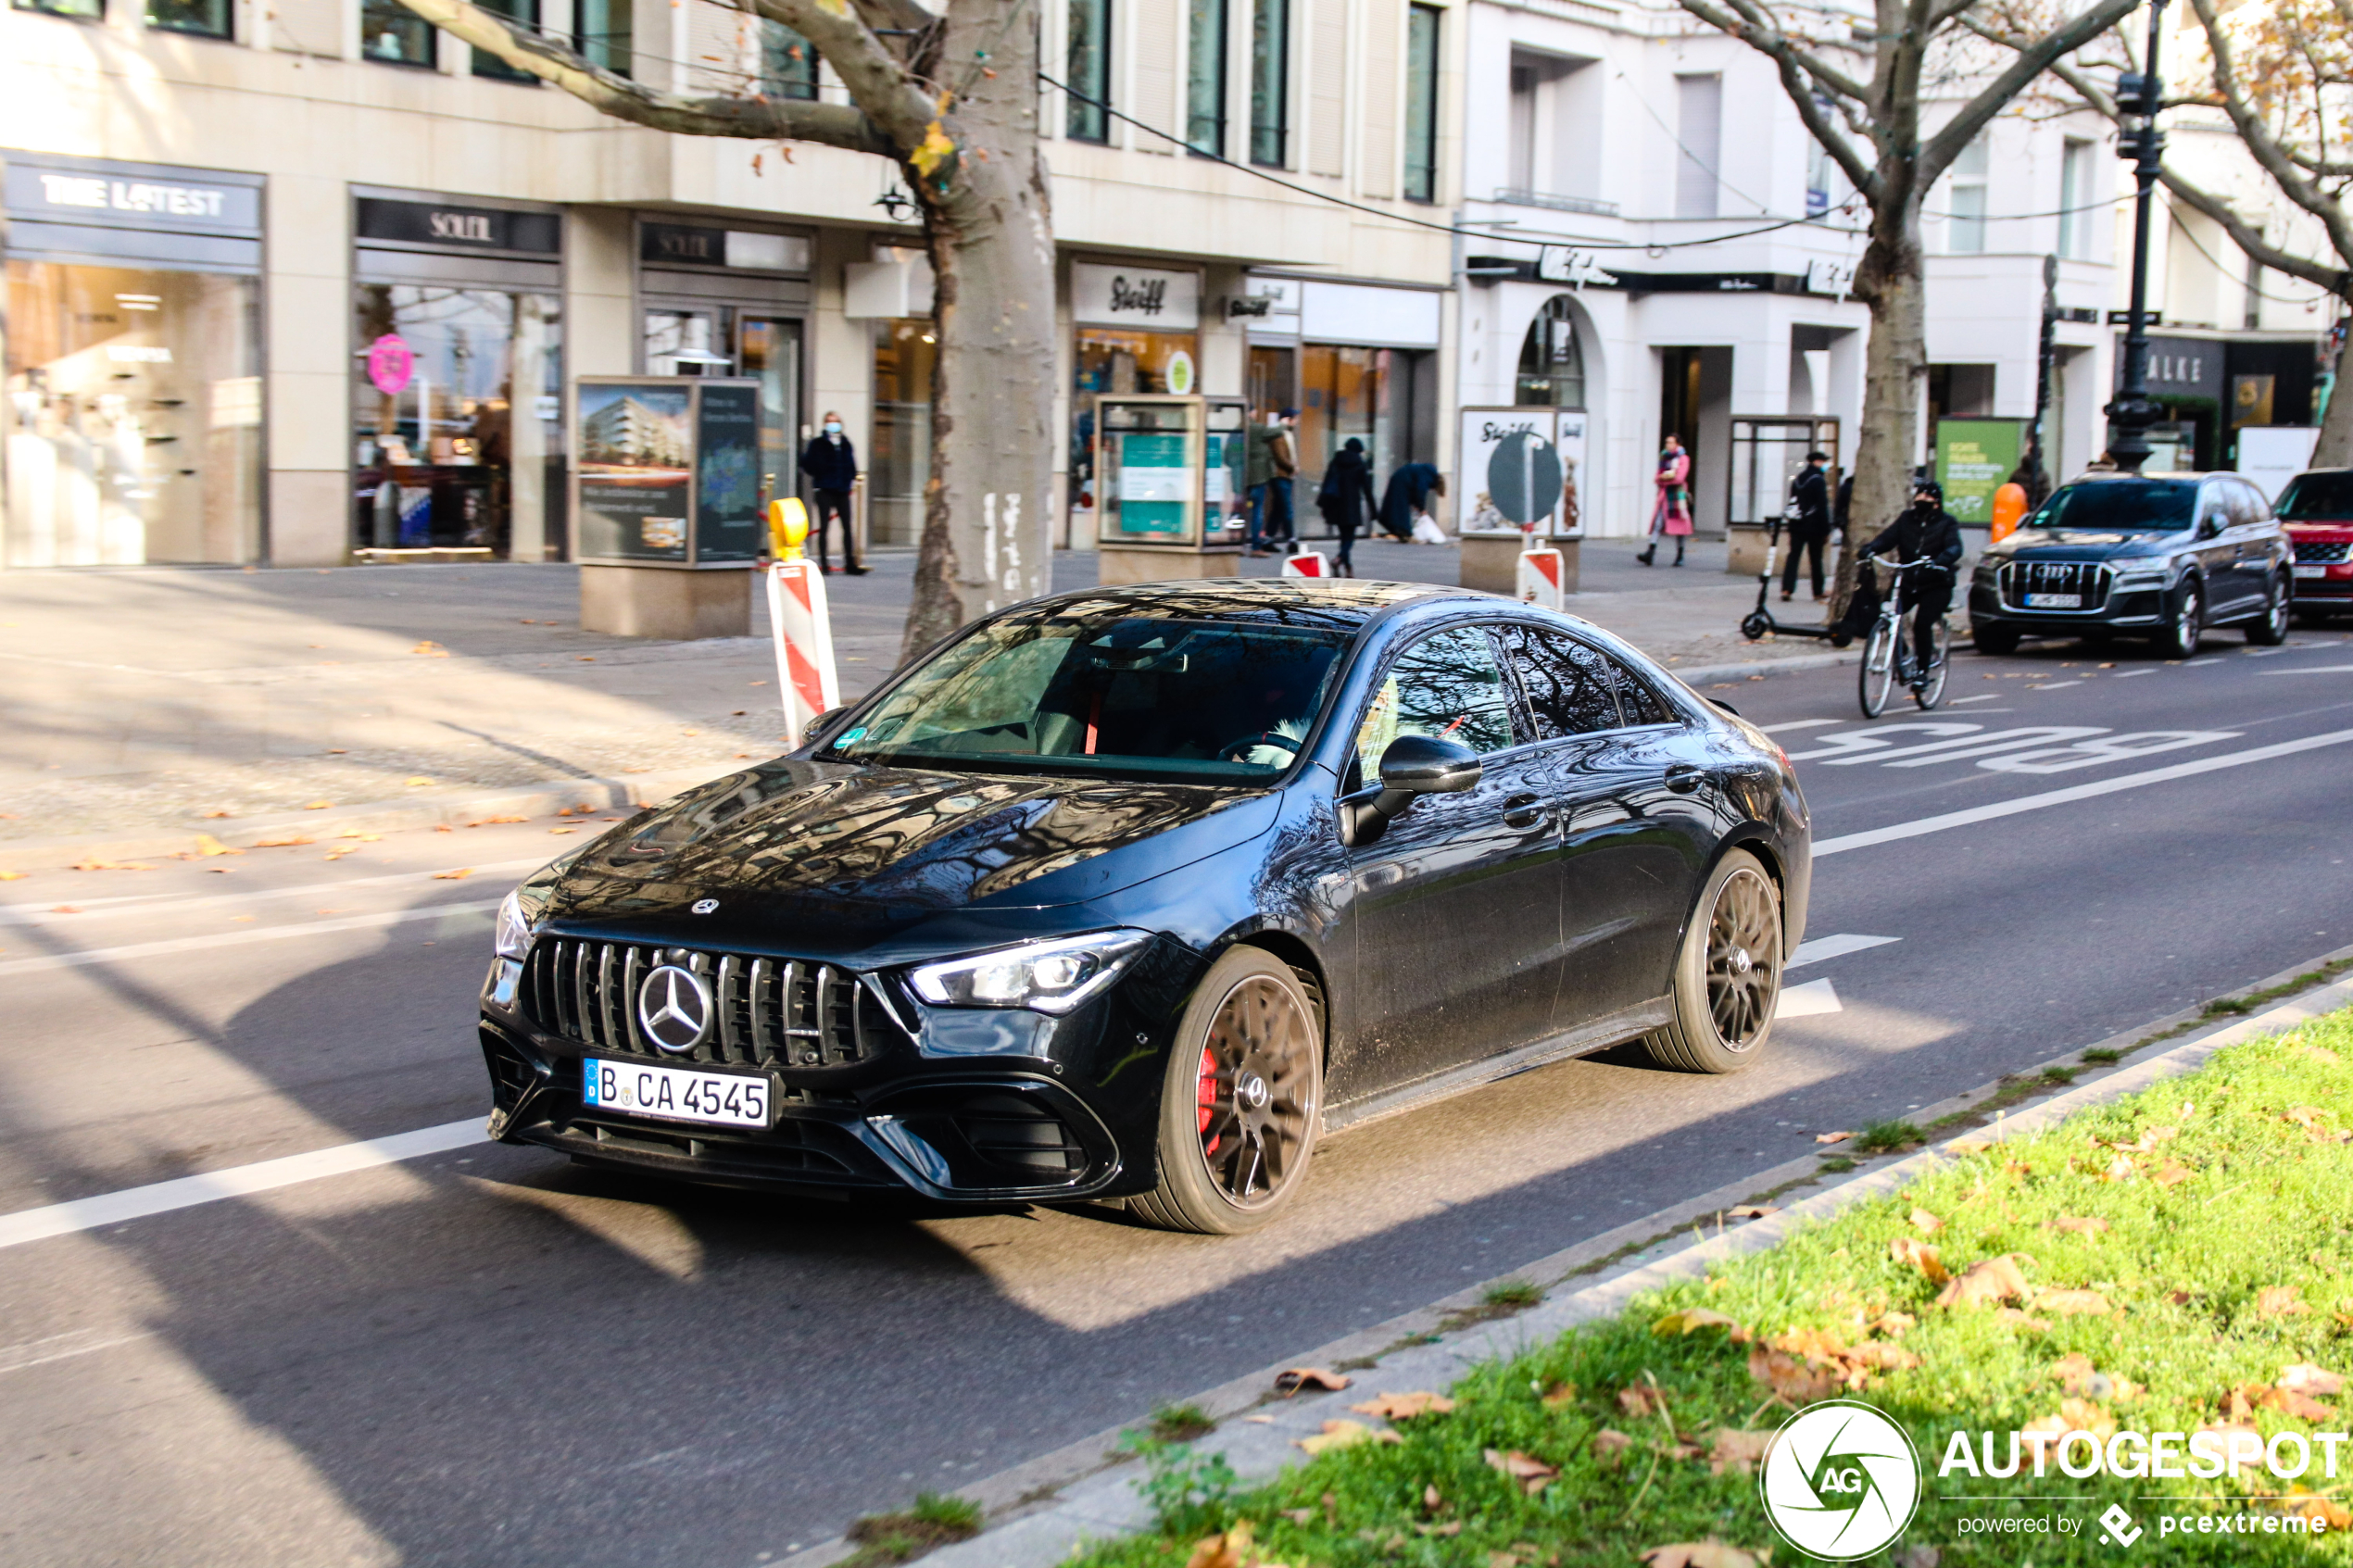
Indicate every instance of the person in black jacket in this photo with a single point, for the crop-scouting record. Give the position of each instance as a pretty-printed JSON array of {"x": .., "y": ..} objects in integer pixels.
[
  {"x": 1346, "y": 498},
  {"x": 1810, "y": 523},
  {"x": 831, "y": 463},
  {"x": 1923, "y": 532}
]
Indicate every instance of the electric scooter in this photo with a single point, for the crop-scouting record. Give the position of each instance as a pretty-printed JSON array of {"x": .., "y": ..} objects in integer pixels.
[{"x": 1760, "y": 621}]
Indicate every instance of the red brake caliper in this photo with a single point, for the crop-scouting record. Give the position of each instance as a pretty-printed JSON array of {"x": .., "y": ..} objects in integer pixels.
[{"x": 1205, "y": 1096}]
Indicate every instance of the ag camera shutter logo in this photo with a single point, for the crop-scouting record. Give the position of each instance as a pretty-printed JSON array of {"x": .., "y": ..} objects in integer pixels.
[{"x": 1842, "y": 1481}]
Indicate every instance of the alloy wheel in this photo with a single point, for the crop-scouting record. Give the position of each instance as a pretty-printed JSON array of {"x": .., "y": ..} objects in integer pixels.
[
  {"x": 1744, "y": 959},
  {"x": 1255, "y": 1092},
  {"x": 2189, "y": 623}
]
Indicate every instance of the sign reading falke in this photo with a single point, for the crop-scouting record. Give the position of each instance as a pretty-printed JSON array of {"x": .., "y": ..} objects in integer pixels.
[{"x": 1135, "y": 296}]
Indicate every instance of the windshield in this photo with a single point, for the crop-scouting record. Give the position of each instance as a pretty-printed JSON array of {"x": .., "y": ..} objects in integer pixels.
[
  {"x": 1114, "y": 694},
  {"x": 2315, "y": 497},
  {"x": 2120, "y": 506}
]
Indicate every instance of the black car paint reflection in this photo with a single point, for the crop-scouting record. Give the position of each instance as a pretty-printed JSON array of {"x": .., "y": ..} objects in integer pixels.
[{"x": 1538, "y": 912}]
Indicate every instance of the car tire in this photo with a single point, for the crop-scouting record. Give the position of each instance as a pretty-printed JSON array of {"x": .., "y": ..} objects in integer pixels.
[
  {"x": 1728, "y": 972},
  {"x": 2185, "y": 628},
  {"x": 1997, "y": 641},
  {"x": 1241, "y": 1099},
  {"x": 2269, "y": 630}
]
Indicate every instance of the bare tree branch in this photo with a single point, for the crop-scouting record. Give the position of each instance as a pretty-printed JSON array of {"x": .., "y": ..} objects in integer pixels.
[
  {"x": 2266, "y": 148},
  {"x": 875, "y": 77},
  {"x": 2251, "y": 240},
  {"x": 833, "y": 125},
  {"x": 1753, "y": 26},
  {"x": 2032, "y": 61}
]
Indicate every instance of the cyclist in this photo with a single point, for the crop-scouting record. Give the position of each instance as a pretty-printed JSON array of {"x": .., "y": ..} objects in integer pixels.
[{"x": 1923, "y": 532}]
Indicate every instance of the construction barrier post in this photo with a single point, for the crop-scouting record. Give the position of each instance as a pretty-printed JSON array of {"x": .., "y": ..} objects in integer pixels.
[
  {"x": 1304, "y": 562},
  {"x": 1540, "y": 574},
  {"x": 803, "y": 626}
]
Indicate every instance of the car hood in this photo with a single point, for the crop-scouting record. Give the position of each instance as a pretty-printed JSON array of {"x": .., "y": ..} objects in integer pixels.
[
  {"x": 867, "y": 845},
  {"x": 2061, "y": 543},
  {"x": 2331, "y": 531}
]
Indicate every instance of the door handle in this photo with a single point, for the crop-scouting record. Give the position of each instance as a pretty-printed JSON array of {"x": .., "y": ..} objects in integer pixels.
[
  {"x": 1523, "y": 811},
  {"x": 1685, "y": 777}
]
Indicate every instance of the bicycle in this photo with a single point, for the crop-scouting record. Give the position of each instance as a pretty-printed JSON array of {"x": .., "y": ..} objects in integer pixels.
[{"x": 1888, "y": 655}]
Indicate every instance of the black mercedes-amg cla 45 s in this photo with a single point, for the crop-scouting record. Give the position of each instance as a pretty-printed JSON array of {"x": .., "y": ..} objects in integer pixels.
[{"x": 1135, "y": 893}]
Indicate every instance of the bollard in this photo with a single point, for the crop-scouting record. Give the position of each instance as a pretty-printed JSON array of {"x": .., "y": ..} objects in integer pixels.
[
  {"x": 798, "y": 615},
  {"x": 2009, "y": 506},
  {"x": 1306, "y": 563},
  {"x": 1538, "y": 582}
]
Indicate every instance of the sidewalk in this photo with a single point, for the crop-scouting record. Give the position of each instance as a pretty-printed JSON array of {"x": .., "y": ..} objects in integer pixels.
[{"x": 156, "y": 700}]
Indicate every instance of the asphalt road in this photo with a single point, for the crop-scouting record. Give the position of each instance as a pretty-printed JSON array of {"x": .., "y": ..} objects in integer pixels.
[{"x": 488, "y": 1355}]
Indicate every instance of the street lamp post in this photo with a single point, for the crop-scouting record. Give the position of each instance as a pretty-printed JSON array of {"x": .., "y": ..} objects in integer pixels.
[{"x": 2130, "y": 416}]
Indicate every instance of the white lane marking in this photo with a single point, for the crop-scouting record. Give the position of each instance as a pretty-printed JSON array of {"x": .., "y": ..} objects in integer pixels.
[
  {"x": 2077, "y": 792},
  {"x": 60, "y": 1346},
  {"x": 2315, "y": 670},
  {"x": 2055, "y": 686},
  {"x": 1822, "y": 948},
  {"x": 1876, "y": 739},
  {"x": 2103, "y": 750},
  {"x": 171, "y": 904},
  {"x": 2128, "y": 674},
  {"x": 1808, "y": 1001},
  {"x": 241, "y": 1181},
  {"x": 1982, "y": 697},
  {"x": 238, "y": 938},
  {"x": 1799, "y": 724}
]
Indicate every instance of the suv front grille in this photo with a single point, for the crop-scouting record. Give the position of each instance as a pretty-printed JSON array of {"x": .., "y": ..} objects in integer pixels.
[
  {"x": 2087, "y": 580},
  {"x": 2312, "y": 552},
  {"x": 770, "y": 1012}
]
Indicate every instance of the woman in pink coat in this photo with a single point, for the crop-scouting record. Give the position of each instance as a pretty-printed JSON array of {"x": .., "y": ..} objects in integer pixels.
[{"x": 1672, "y": 515}]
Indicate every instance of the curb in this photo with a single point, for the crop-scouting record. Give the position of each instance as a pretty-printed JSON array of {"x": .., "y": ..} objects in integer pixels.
[
  {"x": 1052, "y": 1505},
  {"x": 1762, "y": 667},
  {"x": 451, "y": 808}
]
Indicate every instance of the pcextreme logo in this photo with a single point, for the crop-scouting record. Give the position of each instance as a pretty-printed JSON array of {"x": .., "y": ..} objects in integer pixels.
[{"x": 1842, "y": 1480}]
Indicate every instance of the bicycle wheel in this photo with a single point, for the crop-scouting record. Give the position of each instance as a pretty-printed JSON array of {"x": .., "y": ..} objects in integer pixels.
[
  {"x": 1879, "y": 667},
  {"x": 1929, "y": 690}
]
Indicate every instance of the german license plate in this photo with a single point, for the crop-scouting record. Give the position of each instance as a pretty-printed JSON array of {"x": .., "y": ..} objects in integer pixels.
[
  {"x": 2311, "y": 572},
  {"x": 2055, "y": 601},
  {"x": 671, "y": 1094}
]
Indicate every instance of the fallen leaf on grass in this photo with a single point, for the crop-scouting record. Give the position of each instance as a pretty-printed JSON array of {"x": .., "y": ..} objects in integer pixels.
[
  {"x": 2017, "y": 1318},
  {"x": 1994, "y": 1280},
  {"x": 1452, "y": 1527},
  {"x": 1232, "y": 1550},
  {"x": 2174, "y": 1174},
  {"x": 2333, "y": 1515},
  {"x": 1738, "y": 1450},
  {"x": 1831, "y": 1138},
  {"x": 2279, "y": 1301},
  {"x": 1560, "y": 1396},
  {"x": 1640, "y": 1400},
  {"x": 1691, "y": 1322},
  {"x": 1893, "y": 1324},
  {"x": 1751, "y": 1211},
  {"x": 1532, "y": 1475},
  {"x": 2081, "y": 1224},
  {"x": 2251, "y": 1397},
  {"x": 1968, "y": 1146},
  {"x": 2306, "y": 1116},
  {"x": 1291, "y": 1380},
  {"x": 2321, "y": 1053},
  {"x": 1610, "y": 1446},
  {"x": 2226, "y": 1430},
  {"x": 459, "y": 875},
  {"x": 2305, "y": 1378},
  {"x": 1925, "y": 1222},
  {"x": 1918, "y": 1254},
  {"x": 1405, "y": 1406},
  {"x": 2072, "y": 1303},
  {"x": 1790, "y": 1378},
  {"x": 1344, "y": 1434},
  {"x": 1710, "y": 1553}
]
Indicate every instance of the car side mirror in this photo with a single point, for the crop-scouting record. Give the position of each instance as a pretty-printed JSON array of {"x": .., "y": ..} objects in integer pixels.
[
  {"x": 1414, "y": 766},
  {"x": 2207, "y": 527},
  {"x": 817, "y": 726}
]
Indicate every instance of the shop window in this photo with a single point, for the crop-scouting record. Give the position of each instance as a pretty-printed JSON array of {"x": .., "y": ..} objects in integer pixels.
[
  {"x": 134, "y": 417},
  {"x": 601, "y": 33},
  {"x": 1699, "y": 134},
  {"x": 1358, "y": 392},
  {"x": 787, "y": 63},
  {"x": 1270, "y": 82},
  {"x": 393, "y": 33},
  {"x": 1089, "y": 71},
  {"x": 1120, "y": 362},
  {"x": 457, "y": 408},
  {"x": 1552, "y": 363},
  {"x": 1205, "y": 78},
  {"x": 81, "y": 10},
  {"x": 524, "y": 14},
  {"x": 204, "y": 19},
  {"x": 899, "y": 458},
  {"x": 1421, "y": 103}
]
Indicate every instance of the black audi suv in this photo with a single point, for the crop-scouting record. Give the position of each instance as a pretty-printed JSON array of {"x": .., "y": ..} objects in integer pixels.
[
  {"x": 2163, "y": 556},
  {"x": 1132, "y": 893}
]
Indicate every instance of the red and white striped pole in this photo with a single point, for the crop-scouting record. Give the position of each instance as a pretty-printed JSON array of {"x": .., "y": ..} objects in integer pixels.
[{"x": 798, "y": 615}]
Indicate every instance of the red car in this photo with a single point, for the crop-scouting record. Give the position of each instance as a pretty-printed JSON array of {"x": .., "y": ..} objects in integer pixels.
[{"x": 2317, "y": 511}]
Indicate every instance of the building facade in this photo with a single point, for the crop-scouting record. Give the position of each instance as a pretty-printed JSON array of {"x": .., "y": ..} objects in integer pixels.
[{"x": 304, "y": 282}]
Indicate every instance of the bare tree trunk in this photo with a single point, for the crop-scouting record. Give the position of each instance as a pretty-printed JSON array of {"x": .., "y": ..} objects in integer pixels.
[
  {"x": 988, "y": 509},
  {"x": 1891, "y": 282},
  {"x": 2333, "y": 447}
]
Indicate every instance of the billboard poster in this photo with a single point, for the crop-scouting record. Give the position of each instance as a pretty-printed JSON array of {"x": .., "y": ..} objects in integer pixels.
[
  {"x": 1975, "y": 457},
  {"x": 727, "y": 520},
  {"x": 637, "y": 469},
  {"x": 1518, "y": 468}
]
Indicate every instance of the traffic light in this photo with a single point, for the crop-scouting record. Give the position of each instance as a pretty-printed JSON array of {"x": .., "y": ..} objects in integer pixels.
[{"x": 2138, "y": 93}]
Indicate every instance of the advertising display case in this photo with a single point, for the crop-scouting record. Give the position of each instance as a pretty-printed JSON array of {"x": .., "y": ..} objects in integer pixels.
[
  {"x": 1169, "y": 473},
  {"x": 1522, "y": 468},
  {"x": 667, "y": 499}
]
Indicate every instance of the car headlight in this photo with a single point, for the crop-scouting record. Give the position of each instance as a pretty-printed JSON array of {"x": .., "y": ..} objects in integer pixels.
[
  {"x": 1049, "y": 978},
  {"x": 2143, "y": 573},
  {"x": 515, "y": 919}
]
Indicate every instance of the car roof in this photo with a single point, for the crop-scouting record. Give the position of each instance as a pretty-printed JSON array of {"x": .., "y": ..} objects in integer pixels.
[
  {"x": 1345, "y": 603},
  {"x": 2170, "y": 478}
]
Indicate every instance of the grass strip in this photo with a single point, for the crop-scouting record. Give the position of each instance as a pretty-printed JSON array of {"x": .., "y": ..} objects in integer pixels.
[{"x": 2179, "y": 1252}]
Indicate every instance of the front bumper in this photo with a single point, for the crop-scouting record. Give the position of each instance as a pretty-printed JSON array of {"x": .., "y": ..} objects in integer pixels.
[{"x": 2145, "y": 609}]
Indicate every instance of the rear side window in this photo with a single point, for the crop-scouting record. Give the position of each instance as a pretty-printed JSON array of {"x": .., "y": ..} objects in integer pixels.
[
  {"x": 1450, "y": 684},
  {"x": 1569, "y": 686},
  {"x": 1640, "y": 704},
  {"x": 2252, "y": 507}
]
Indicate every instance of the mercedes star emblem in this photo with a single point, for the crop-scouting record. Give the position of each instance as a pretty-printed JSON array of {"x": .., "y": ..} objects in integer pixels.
[
  {"x": 704, "y": 905},
  {"x": 673, "y": 1007}
]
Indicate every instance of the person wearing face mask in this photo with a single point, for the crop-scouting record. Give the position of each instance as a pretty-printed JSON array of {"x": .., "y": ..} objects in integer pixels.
[{"x": 831, "y": 463}]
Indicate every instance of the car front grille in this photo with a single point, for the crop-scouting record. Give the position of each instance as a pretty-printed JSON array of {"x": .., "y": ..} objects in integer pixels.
[
  {"x": 770, "y": 1012},
  {"x": 2088, "y": 580},
  {"x": 2314, "y": 552}
]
